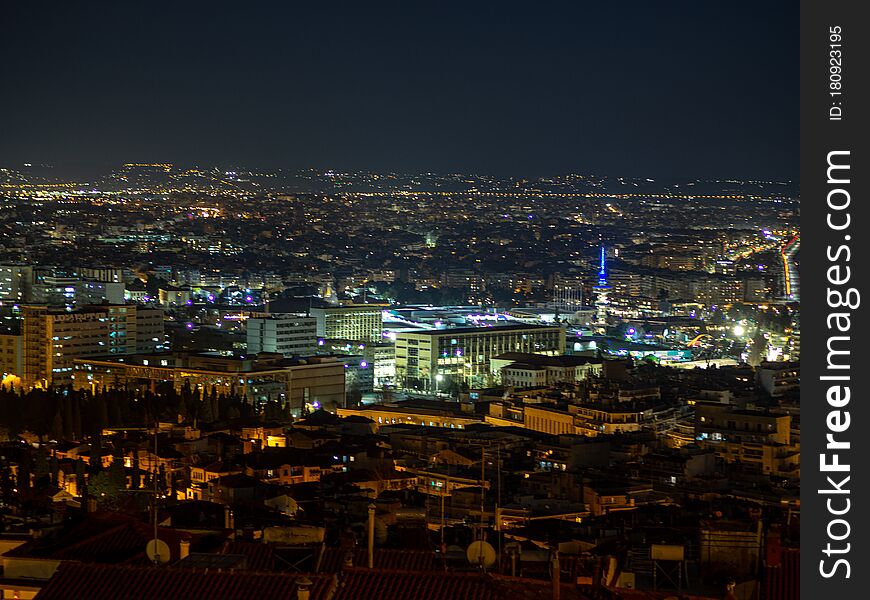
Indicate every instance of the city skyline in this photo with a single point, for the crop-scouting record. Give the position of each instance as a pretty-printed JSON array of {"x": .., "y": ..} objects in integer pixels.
[{"x": 507, "y": 92}]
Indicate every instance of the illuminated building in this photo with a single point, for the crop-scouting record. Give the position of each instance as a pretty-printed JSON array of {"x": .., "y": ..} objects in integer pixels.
[
  {"x": 286, "y": 334},
  {"x": 52, "y": 338},
  {"x": 363, "y": 322},
  {"x": 757, "y": 439},
  {"x": 10, "y": 358},
  {"x": 314, "y": 382},
  {"x": 515, "y": 369},
  {"x": 173, "y": 296},
  {"x": 431, "y": 359},
  {"x": 54, "y": 290},
  {"x": 14, "y": 281},
  {"x": 97, "y": 292},
  {"x": 149, "y": 329},
  {"x": 779, "y": 378},
  {"x": 428, "y": 417}
]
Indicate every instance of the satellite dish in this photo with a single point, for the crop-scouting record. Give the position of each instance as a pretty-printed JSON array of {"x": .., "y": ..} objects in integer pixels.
[
  {"x": 481, "y": 553},
  {"x": 157, "y": 551}
]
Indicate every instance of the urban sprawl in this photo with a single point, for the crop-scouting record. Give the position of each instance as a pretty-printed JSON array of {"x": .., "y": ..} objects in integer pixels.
[{"x": 333, "y": 384}]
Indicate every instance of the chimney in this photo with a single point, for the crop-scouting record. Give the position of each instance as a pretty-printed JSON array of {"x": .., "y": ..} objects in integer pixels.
[
  {"x": 347, "y": 545},
  {"x": 228, "y": 518},
  {"x": 303, "y": 588},
  {"x": 371, "y": 537},
  {"x": 184, "y": 549},
  {"x": 557, "y": 576}
]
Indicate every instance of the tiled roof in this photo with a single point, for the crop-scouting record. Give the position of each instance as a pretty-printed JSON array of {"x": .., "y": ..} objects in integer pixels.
[
  {"x": 260, "y": 556},
  {"x": 627, "y": 594},
  {"x": 362, "y": 584},
  {"x": 782, "y": 582},
  {"x": 74, "y": 581},
  {"x": 332, "y": 560}
]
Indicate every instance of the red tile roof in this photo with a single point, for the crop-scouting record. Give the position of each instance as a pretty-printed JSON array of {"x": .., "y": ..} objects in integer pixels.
[
  {"x": 362, "y": 584},
  {"x": 627, "y": 594},
  {"x": 782, "y": 581},
  {"x": 77, "y": 581},
  {"x": 259, "y": 556},
  {"x": 332, "y": 560}
]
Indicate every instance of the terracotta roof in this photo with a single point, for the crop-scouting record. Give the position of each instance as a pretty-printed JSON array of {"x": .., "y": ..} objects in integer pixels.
[
  {"x": 332, "y": 560},
  {"x": 260, "y": 556},
  {"x": 627, "y": 594},
  {"x": 362, "y": 584},
  {"x": 783, "y": 580},
  {"x": 74, "y": 581}
]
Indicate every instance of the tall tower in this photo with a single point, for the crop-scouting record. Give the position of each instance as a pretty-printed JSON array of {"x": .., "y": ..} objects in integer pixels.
[{"x": 601, "y": 292}]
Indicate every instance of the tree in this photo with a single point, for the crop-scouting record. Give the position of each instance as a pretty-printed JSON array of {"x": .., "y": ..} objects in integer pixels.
[
  {"x": 41, "y": 468},
  {"x": 354, "y": 395},
  {"x": 80, "y": 476},
  {"x": 108, "y": 487}
]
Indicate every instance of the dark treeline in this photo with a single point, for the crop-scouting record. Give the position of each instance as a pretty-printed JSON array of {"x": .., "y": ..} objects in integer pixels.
[{"x": 68, "y": 414}]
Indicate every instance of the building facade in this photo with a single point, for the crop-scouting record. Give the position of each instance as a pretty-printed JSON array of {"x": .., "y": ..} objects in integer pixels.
[
  {"x": 285, "y": 334},
  {"x": 53, "y": 338},
  {"x": 312, "y": 382},
  {"x": 362, "y": 322},
  {"x": 432, "y": 359}
]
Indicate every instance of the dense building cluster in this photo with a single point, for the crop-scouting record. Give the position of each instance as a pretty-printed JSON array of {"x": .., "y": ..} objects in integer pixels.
[{"x": 352, "y": 385}]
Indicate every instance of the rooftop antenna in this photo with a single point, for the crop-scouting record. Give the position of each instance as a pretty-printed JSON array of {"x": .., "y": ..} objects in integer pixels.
[{"x": 156, "y": 549}]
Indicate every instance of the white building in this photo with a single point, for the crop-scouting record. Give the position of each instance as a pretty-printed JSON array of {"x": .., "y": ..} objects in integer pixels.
[{"x": 289, "y": 335}]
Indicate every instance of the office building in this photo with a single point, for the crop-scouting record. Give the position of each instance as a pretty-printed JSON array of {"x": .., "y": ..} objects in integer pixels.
[
  {"x": 363, "y": 322},
  {"x": 430, "y": 360},
  {"x": 15, "y": 282},
  {"x": 289, "y": 335},
  {"x": 52, "y": 338},
  {"x": 10, "y": 358}
]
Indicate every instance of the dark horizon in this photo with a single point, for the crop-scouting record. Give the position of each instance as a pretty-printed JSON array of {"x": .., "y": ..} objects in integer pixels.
[{"x": 676, "y": 91}]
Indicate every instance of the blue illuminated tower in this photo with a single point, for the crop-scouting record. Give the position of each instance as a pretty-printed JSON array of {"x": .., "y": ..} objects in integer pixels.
[{"x": 601, "y": 291}]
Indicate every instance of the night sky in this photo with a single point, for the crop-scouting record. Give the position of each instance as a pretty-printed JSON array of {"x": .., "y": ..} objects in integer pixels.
[{"x": 649, "y": 89}]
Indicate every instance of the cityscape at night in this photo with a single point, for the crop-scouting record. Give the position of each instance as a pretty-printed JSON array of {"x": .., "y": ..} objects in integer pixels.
[{"x": 306, "y": 343}]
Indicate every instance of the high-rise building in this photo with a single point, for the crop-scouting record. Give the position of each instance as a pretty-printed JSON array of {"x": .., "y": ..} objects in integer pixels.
[
  {"x": 52, "y": 338},
  {"x": 54, "y": 289},
  {"x": 98, "y": 292},
  {"x": 15, "y": 282},
  {"x": 149, "y": 330},
  {"x": 363, "y": 322},
  {"x": 10, "y": 357},
  {"x": 430, "y": 360},
  {"x": 289, "y": 335}
]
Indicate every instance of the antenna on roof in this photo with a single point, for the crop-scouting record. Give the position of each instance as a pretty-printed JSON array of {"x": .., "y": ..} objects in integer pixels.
[{"x": 158, "y": 551}]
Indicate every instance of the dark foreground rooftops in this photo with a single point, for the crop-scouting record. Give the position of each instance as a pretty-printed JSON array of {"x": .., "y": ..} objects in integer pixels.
[{"x": 74, "y": 581}]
